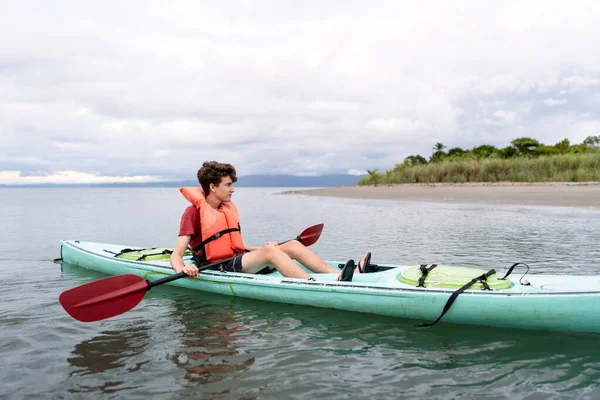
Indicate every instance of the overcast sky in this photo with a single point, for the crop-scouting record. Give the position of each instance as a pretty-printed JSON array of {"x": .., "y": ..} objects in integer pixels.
[{"x": 104, "y": 91}]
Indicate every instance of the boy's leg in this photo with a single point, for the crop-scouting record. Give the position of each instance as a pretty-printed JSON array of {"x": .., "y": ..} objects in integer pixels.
[
  {"x": 310, "y": 260},
  {"x": 256, "y": 260},
  {"x": 306, "y": 257}
]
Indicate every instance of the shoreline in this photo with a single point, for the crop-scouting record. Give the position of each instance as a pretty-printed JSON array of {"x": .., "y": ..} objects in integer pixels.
[{"x": 553, "y": 194}]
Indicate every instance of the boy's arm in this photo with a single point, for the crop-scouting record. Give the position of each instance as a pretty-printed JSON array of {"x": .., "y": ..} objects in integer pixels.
[{"x": 176, "y": 258}]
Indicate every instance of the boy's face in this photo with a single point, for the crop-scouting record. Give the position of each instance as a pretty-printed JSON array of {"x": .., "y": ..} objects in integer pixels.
[{"x": 225, "y": 189}]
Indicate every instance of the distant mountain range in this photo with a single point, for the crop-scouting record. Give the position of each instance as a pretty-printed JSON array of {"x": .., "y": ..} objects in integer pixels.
[
  {"x": 243, "y": 181},
  {"x": 296, "y": 181}
]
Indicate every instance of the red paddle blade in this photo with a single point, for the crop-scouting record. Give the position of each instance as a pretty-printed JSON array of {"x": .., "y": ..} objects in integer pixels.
[
  {"x": 105, "y": 298},
  {"x": 310, "y": 235}
]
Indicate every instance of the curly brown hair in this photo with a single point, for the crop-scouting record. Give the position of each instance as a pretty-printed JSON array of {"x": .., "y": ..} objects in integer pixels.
[{"x": 212, "y": 172}]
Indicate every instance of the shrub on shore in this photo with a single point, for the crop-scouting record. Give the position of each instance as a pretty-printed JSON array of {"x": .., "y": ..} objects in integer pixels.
[{"x": 526, "y": 160}]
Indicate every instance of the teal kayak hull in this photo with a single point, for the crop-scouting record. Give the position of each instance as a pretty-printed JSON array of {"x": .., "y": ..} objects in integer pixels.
[{"x": 548, "y": 302}]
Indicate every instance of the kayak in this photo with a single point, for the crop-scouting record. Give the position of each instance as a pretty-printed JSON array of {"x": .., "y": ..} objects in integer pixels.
[{"x": 431, "y": 293}]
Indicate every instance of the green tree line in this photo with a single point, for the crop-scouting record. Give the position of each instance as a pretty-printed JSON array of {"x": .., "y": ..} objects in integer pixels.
[{"x": 524, "y": 160}]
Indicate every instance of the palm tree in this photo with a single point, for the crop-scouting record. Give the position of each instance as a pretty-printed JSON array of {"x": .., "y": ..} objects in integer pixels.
[
  {"x": 438, "y": 153},
  {"x": 438, "y": 146},
  {"x": 373, "y": 176},
  {"x": 388, "y": 175}
]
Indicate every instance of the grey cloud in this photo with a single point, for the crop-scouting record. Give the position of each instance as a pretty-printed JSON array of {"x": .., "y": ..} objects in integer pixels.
[{"x": 154, "y": 89}]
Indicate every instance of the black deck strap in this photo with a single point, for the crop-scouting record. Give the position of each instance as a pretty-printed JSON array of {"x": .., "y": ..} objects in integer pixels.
[
  {"x": 510, "y": 270},
  {"x": 143, "y": 256},
  {"x": 379, "y": 268},
  {"x": 481, "y": 278},
  {"x": 425, "y": 271},
  {"x": 126, "y": 251},
  {"x": 200, "y": 247}
]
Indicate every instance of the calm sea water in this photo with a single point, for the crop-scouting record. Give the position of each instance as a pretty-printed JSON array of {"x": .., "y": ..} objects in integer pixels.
[{"x": 179, "y": 344}]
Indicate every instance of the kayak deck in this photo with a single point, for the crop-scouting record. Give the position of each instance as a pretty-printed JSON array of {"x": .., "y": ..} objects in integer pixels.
[{"x": 388, "y": 277}]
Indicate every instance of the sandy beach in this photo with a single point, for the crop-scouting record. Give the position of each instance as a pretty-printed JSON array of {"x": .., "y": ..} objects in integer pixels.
[{"x": 585, "y": 195}]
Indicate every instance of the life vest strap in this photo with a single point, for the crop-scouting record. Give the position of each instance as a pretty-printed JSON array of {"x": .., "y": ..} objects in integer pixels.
[
  {"x": 453, "y": 297},
  {"x": 200, "y": 259},
  {"x": 200, "y": 247}
]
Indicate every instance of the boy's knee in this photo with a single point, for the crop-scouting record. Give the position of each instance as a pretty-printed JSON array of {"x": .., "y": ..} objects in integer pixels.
[
  {"x": 270, "y": 252},
  {"x": 293, "y": 246}
]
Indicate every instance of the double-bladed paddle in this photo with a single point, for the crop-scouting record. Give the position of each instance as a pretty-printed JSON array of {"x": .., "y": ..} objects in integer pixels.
[{"x": 116, "y": 295}]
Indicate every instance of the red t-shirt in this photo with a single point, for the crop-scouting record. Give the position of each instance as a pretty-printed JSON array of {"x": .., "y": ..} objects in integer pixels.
[{"x": 190, "y": 225}]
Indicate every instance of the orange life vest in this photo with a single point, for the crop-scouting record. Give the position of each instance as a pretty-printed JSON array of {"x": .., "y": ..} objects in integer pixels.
[{"x": 220, "y": 229}]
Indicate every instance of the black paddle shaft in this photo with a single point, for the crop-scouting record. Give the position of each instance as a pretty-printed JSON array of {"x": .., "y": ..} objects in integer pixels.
[{"x": 180, "y": 275}]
